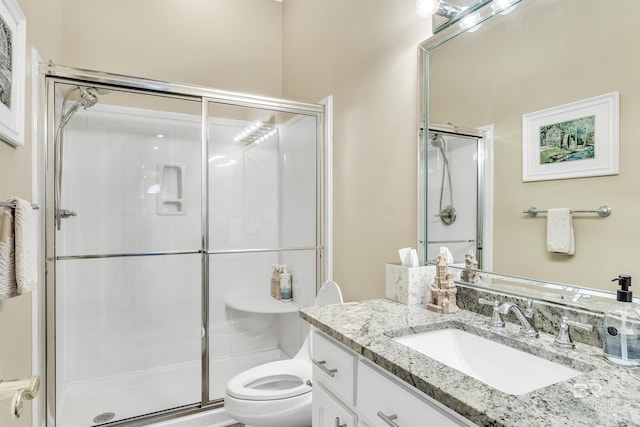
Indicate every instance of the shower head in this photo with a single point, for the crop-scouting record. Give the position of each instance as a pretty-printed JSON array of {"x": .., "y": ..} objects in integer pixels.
[{"x": 88, "y": 98}]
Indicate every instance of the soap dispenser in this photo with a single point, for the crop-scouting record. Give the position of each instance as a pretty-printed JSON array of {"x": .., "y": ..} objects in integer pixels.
[
  {"x": 622, "y": 328},
  {"x": 285, "y": 285}
]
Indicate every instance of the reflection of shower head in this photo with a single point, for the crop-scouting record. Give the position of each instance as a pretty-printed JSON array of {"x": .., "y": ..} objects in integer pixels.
[{"x": 437, "y": 141}]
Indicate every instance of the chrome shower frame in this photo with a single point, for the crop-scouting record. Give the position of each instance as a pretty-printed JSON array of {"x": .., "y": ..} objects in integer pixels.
[{"x": 50, "y": 74}]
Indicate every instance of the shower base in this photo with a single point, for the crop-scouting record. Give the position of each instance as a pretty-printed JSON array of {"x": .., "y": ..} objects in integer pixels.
[
  {"x": 212, "y": 418},
  {"x": 146, "y": 392}
]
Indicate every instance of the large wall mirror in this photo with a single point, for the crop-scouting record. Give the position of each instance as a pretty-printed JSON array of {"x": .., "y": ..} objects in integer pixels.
[{"x": 544, "y": 54}]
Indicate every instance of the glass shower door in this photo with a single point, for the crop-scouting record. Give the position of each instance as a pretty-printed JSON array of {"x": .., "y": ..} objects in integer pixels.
[
  {"x": 127, "y": 260},
  {"x": 264, "y": 203}
]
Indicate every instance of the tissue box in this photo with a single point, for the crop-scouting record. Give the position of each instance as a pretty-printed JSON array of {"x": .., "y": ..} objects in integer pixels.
[{"x": 408, "y": 285}]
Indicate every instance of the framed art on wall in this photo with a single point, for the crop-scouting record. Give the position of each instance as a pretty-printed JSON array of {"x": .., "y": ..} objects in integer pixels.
[
  {"x": 12, "y": 72},
  {"x": 575, "y": 140}
]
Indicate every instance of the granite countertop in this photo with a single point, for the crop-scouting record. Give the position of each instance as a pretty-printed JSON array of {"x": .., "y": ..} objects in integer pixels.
[{"x": 606, "y": 395}]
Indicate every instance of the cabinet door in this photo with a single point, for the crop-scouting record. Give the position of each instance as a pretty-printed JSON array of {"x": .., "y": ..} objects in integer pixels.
[
  {"x": 328, "y": 411},
  {"x": 383, "y": 402},
  {"x": 334, "y": 367}
]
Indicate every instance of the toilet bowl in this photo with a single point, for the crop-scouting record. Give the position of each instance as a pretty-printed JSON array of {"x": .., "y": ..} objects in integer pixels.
[{"x": 278, "y": 394}]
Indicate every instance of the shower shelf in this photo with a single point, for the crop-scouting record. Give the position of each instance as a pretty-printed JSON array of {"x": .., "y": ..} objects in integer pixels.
[{"x": 265, "y": 305}]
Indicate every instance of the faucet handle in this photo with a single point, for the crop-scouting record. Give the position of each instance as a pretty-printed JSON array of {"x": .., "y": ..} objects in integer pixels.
[
  {"x": 496, "y": 321},
  {"x": 528, "y": 312},
  {"x": 563, "y": 339}
]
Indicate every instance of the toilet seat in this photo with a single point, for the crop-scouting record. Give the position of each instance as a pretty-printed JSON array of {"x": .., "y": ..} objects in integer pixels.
[{"x": 276, "y": 380}]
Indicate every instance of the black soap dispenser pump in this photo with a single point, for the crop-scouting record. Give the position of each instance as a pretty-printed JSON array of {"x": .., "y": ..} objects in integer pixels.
[
  {"x": 624, "y": 294},
  {"x": 622, "y": 328}
]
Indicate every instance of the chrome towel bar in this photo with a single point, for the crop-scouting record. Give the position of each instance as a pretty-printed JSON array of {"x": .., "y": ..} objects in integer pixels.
[
  {"x": 603, "y": 211},
  {"x": 13, "y": 205}
]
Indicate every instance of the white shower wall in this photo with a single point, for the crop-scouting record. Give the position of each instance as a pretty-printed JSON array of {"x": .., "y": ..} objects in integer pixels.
[
  {"x": 125, "y": 317},
  {"x": 110, "y": 176}
]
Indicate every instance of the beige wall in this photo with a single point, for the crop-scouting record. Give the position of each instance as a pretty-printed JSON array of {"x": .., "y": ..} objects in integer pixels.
[
  {"x": 503, "y": 71},
  {"x": 226, "y": 44},
  {"x": 365, "y": 54},
  {"x": 44, "y": 31}
]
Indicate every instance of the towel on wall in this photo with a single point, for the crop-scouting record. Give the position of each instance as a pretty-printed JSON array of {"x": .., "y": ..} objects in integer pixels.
[
  {"x": 26, "y": 251},
  {"x": 8, "y": 286},
  {"x": 560, "y": 238},
  {"x": 18, "y": 249}
]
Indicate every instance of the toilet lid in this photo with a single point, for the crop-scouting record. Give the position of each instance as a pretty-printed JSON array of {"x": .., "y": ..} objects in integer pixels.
[{"x": 275, "y": 380}]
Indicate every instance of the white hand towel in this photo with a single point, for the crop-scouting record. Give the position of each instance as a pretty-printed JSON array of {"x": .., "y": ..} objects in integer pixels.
[
  {"x": 448, "y": 257},
  {"x": 560, "y": 237},
  {"x": 26, "y": 251},
  {"x": 8, "y": 287}
]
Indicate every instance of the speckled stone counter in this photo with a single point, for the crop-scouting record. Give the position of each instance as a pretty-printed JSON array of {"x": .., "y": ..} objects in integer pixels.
[{"x": 604, "y": 395}]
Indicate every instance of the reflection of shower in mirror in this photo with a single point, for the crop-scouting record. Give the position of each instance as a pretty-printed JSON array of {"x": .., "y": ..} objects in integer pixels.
[{"x": 454, "y": 208}]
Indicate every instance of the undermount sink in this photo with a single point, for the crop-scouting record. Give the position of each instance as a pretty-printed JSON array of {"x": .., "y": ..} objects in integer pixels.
[{"x": 502, "y": 367}]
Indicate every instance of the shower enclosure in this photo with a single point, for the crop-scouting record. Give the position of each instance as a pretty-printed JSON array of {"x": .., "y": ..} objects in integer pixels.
[
  {"x": 167, "y": 206},
  {"x": 454, "y": 193}
]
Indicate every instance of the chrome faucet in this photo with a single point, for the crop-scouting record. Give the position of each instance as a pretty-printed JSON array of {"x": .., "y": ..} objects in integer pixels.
[{"x": 527, "y": 326}]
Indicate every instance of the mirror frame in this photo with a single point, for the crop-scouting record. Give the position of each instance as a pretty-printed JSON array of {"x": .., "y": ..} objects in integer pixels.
[{"x": 484, "y": 13}]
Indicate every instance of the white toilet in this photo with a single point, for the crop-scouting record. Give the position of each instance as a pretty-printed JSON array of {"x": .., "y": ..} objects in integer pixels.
[{"x": 276, "y": 394}]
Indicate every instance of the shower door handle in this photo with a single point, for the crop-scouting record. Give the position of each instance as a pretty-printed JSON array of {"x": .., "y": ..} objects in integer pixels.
[{"x": 66, "y": 213}]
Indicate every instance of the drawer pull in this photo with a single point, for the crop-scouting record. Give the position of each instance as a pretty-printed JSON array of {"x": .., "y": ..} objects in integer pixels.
[
  {"x": 320, "y": 364},
  {"x": 338, "y": 423},
  {"x": 388, "y": 419}
]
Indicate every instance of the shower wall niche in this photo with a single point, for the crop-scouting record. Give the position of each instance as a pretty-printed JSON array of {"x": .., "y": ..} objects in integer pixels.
[{"x": 160, "y": 277}]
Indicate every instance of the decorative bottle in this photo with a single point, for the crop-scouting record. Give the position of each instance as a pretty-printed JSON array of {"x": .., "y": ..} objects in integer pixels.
[
  {"x": 276, "y": 283},
  {"x": 274, "y": 279},
  {"x": 622, "y": 328}
]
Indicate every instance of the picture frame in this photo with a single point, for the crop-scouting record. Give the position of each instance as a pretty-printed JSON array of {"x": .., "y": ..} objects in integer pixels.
[
  {"x": 12, "y": 72},
  {"x": 575, "y": 140}
]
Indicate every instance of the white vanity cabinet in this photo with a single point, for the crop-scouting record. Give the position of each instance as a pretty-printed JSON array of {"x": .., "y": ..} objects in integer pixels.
[
  {"x": 373, "y": 398},
  {"x": 334, "y": 366},
  {"x": 384, "y": 401},
  {"x": 328, "y": 411},
  {"x": 334, "y": 370}
]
